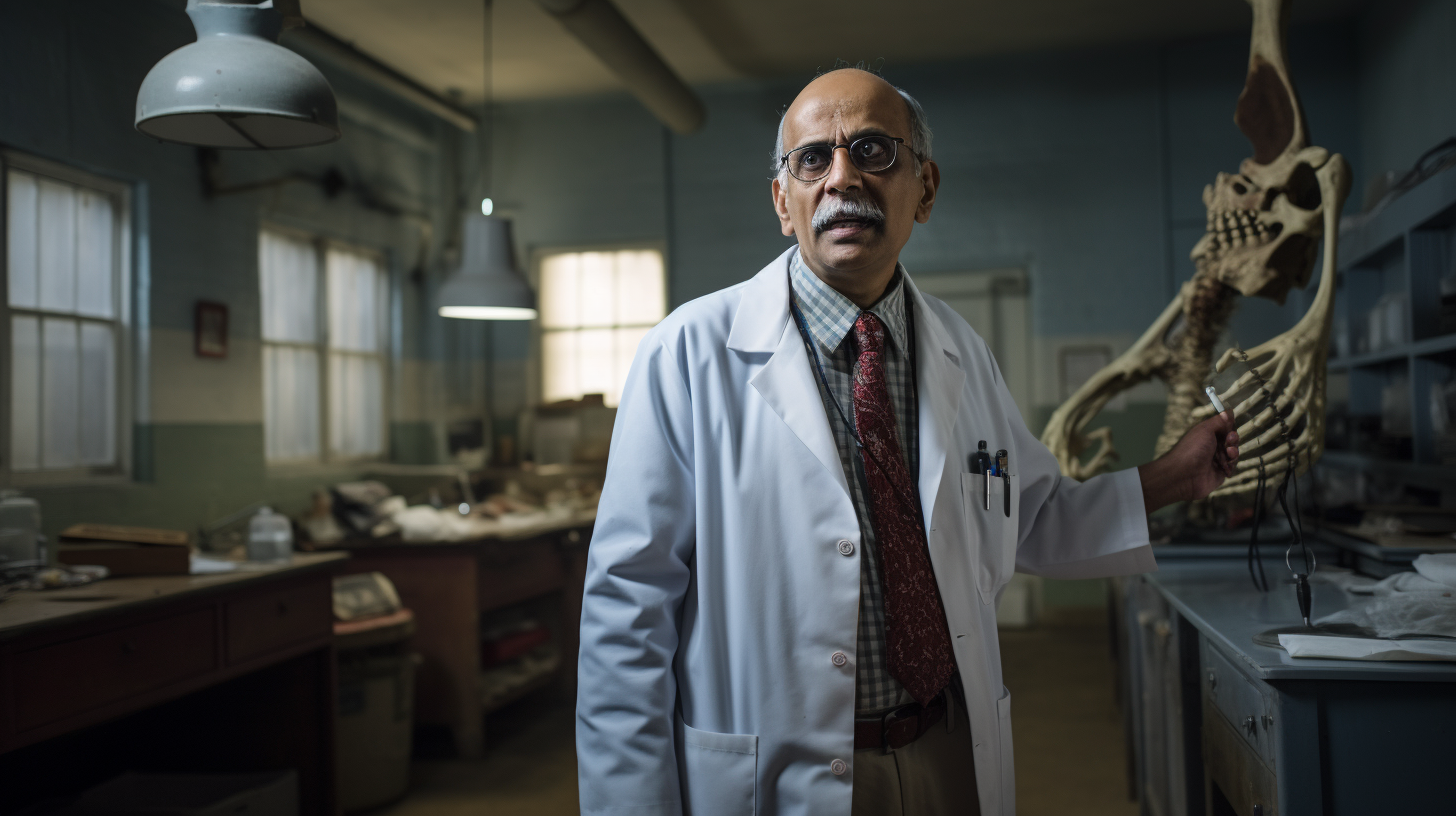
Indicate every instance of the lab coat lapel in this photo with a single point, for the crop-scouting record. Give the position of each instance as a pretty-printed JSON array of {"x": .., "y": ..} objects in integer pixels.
[
  {"x": 938, "y": 385},
  {"x": 786, "y": 382}
]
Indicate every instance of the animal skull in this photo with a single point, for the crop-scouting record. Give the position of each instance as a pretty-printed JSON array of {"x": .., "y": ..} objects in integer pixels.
[{"x": 1264, "y": 226}]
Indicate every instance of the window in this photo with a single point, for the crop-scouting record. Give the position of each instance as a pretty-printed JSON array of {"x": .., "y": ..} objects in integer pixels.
[
  {"x": 66, "y": 238},
  {"x": 595, "y": 308},
  {"x": 304, "y": 367}
]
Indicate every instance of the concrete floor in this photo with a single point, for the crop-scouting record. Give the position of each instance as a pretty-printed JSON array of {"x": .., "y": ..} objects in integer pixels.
[{"x": 1069, "y": 748}]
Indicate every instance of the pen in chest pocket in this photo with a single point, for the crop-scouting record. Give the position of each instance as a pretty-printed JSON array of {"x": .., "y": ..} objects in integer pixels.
[
  {"x": 982, "y": 463},
  {"x": 1003, "y": 464}
]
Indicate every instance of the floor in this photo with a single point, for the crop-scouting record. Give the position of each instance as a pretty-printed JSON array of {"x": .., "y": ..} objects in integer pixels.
[{"x": 1069, "y": 748}]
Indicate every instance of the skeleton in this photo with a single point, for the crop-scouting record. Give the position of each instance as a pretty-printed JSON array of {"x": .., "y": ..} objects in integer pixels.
[{"x": 1264, "y": 227}]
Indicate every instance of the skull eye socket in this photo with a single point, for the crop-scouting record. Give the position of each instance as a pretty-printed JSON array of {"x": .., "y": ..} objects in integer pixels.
[
  {"x": 1303, "y": 188},
  {"x": 1240, "y": 189}
]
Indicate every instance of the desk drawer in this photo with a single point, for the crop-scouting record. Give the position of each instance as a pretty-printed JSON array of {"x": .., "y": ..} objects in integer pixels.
[
  {"x": 278, "y": 618},
  {"x": 1244, "y": 702},
  {"x": 56, "y": 682}
]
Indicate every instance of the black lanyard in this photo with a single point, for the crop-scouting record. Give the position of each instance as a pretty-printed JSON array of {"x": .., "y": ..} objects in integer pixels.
[{"x": 914, "y": 406}]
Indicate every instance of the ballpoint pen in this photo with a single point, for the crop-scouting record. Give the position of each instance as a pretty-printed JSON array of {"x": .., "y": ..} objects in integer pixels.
[
  {"x": 981, "y": 463},
  {"x": 1003, "y": 463}
]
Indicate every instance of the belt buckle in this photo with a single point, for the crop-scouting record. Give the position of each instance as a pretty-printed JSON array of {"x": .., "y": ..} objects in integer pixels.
[
  {"x": 896, "y": 714},
  {"x": 885, "y": 748}
]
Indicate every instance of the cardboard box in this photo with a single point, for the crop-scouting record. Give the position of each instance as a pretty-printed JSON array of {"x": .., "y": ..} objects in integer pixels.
[{"x": 126, "y": 550}]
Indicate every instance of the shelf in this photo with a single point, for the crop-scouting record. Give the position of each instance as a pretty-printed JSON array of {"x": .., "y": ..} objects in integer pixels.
[
  {"x": 1437, "y": 476},
  {"x": 1434, "y": 345}
]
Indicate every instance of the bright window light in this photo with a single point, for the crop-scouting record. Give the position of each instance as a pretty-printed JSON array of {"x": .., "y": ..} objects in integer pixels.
[{"x": 595, "y": 308}]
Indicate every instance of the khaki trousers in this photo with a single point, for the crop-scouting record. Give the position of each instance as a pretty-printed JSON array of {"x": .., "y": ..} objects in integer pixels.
[{"x": 931, "y": 776}]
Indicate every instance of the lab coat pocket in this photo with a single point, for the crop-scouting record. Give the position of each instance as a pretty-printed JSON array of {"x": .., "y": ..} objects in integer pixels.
[
  {"x": 1008, "y": 765},
  {"x": 992, "y": 532},
  {"x": 718, "y": 772}
]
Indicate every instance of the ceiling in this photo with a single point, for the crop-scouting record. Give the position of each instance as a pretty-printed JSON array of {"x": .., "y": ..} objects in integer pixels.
[{"x": 440, "y": 43}]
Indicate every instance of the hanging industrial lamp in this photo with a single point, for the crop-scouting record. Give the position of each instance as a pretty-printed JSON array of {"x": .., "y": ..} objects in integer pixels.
[
  {"x": 487, "y": 286},
  {"x": 236, "y": 87}
]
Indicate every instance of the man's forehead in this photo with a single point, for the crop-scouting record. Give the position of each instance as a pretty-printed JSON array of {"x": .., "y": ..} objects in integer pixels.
[{"x": 847, "y": 99}]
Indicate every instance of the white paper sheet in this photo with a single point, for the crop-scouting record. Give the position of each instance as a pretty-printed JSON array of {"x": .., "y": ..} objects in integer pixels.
[{"x": 1349, "y": 648}]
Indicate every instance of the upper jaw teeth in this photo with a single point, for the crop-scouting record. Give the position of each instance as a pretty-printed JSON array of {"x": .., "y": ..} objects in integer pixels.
[{"x": 1237, "y": 228}]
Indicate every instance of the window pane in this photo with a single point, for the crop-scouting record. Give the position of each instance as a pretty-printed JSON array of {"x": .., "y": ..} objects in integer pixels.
[
  {"x": 356, "y": 397},
  {"x": 558, "y": 366},
  {"x": 594, "y": 288},
  {"x": 595, "y": 349},
  {"x": 288, "y": 276},
  {"x": 95, "y": 255},
  {"x": 24, "y": 393},
  {"x": 98, "y": 394},
  {"x": 290, "y": 403},
  {"x": 57, "y": 246},
  {"x": 355, "y": 307},
  {"x": 641, "y": 295},
  {"x": 559, "y": 276},
  {"x": 21, "y": 235},
  {"x": 60, "y": 393}
]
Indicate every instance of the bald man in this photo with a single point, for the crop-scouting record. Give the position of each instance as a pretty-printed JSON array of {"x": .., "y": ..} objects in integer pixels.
[{"x": 818, "y": 487}]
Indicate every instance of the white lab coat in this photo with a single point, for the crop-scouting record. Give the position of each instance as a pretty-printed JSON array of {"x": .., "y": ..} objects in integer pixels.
[{"x": 724, "y": 568}]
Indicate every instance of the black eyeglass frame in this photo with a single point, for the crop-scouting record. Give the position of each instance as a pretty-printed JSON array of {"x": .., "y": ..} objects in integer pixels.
[{"x": 895, "y": 140}]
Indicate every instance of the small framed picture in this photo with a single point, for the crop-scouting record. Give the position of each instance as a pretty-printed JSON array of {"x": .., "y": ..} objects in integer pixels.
[{"x": 210, "y": 329}]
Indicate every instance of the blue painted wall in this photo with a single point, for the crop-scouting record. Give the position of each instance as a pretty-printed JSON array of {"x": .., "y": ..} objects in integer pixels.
[{"x": 1084, "y": 166}]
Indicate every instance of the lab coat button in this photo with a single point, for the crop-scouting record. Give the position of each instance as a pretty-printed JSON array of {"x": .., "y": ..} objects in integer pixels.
[
  {"x": 838, "y": 767},
  {"x": 839, "y": 658},
  {"x": 846, "y": 547}
]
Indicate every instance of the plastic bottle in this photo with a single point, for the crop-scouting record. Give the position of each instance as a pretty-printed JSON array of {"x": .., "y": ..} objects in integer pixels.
[{"x": 270, "y": 537}]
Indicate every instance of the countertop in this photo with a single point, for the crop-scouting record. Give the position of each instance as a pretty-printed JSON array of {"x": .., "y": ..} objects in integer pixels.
[
  {"x": 1217, "y": 596},
  {"x": 29, "y": 610}
]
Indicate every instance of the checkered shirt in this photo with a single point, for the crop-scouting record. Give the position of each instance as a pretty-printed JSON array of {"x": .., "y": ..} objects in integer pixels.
[{"x": 830, "y": 318}]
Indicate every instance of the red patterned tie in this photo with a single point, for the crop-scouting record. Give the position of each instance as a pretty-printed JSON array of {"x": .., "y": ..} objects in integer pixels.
[{"x": 916, "y": 638}]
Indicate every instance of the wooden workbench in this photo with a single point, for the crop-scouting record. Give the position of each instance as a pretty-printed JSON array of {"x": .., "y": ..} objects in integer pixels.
[
  {"x": 191, "y": 673},
  {"x": 449, "y": 584}
]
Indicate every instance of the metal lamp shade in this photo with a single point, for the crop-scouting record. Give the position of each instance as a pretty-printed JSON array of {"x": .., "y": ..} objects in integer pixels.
[
  {"x": 236, "y": 87},
  {"x": 487, "y": 287}
]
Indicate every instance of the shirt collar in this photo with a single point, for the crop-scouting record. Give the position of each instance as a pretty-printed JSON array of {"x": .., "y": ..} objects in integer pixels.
[{"x": 831, "y": 316}]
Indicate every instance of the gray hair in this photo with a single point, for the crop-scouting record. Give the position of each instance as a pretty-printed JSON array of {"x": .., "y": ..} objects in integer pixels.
[{"x": 919, "y": 134}]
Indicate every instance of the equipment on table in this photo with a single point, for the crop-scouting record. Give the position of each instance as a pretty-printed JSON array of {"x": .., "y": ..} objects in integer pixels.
[
  {"x": 270, "y": 537},
  {"x": 20, "y": 538}
]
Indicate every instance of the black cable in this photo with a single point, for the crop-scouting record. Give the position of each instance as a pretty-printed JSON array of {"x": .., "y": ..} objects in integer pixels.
[{"x": 1256, "y": 563}]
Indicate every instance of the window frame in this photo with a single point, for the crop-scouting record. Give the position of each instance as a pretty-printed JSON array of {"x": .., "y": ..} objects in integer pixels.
[
  {"x": 323, "y": 348},
  {"x": 536, "y": 364},
  {"x": 123, "y": 243}
]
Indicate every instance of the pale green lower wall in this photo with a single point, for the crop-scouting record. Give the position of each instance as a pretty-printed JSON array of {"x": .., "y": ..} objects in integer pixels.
[{"x": 192, "y": 474}]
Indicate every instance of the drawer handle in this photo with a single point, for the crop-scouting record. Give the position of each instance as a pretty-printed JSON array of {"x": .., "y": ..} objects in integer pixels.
[
  {"x": 1251, "y": 725},
  {"x": 1268, "y": 720},
  {"x": 1212, "y": 679}
]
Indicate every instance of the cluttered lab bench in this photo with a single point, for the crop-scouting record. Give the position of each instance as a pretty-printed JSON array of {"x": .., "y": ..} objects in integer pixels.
[
  {"x": 1220, "y": 725},
  {"x": 231, "y": 671},
  {"x": 495, "y": 594}
]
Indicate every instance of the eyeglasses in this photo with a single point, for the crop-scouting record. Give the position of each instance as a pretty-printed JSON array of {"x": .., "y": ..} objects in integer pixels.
[{"x": 870, "y": 154}]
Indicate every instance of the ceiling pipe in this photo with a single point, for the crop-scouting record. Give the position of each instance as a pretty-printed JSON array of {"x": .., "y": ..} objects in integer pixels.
[
  {"x": 609, "y": 35},
  {"x": 319, "y": 43}
]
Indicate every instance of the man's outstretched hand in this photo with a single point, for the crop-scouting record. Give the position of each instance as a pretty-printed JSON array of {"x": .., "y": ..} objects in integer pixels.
[{"x": 1195, "y": 467}]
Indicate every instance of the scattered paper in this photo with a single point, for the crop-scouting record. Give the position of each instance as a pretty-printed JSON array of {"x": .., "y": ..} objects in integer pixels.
[
  {"x": 206, "y": 565},
  {"x": 1349, "y": 648}
]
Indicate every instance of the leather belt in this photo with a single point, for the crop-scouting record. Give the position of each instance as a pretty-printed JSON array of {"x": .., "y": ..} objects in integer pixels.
[{"x": 899, "y": 726}]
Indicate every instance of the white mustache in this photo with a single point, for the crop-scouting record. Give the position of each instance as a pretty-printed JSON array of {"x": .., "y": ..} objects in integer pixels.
[{"x": 839, "y": 209}]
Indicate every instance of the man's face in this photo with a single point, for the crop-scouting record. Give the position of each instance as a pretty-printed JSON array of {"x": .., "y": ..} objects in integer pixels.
[{"x": 848, "y": 238}]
